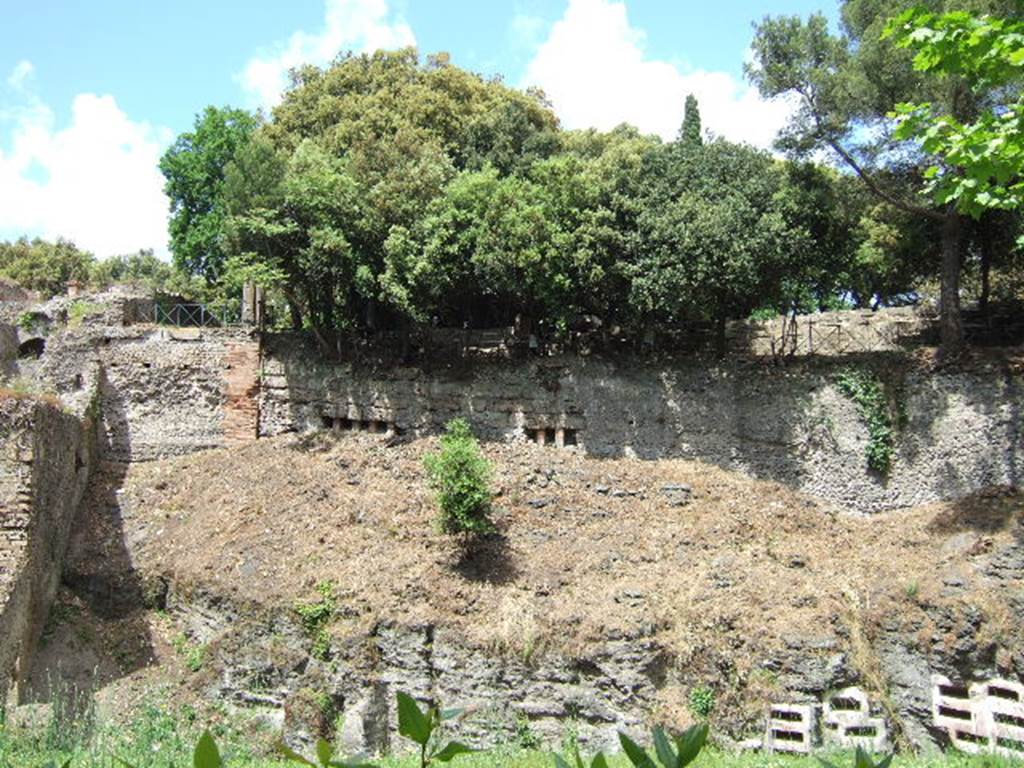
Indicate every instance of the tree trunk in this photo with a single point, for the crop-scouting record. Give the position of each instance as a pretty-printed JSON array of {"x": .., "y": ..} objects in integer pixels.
[
  {"x": 296, "y": 314},
  {"x": 951, "y": 326},
  {"x": 720, "y": 340},
  {"x": 985, "y": 245}
]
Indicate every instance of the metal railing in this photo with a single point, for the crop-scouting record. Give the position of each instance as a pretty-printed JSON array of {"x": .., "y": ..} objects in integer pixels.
[{"x": 195, "y": 315}]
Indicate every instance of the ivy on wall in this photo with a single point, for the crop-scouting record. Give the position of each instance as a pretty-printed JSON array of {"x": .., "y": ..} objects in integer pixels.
[{"x": 867, "y": 391}]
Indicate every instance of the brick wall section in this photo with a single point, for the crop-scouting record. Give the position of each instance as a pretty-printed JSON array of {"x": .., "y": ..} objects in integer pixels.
[
  {"x": 163, "y": 391},
  {"x": 241, "y": 392}
]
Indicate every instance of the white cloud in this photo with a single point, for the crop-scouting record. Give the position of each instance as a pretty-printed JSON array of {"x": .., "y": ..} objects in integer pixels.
[
  {"x": 357, "y": 25},
  {"x": 22, "y": 71},
  {"x": 594, "y": 69},
  {"x": 95, "y": 181}
]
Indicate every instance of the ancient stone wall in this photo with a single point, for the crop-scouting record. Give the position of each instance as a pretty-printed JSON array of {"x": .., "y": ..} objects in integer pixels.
[
  {"x": 163, "y": 391},
  {"x": 962, "y": 431},
  {"x": 45, "y": 459}
]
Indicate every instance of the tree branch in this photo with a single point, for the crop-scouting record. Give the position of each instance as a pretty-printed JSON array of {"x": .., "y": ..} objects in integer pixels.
[
  {"x": 871, "y": 184},
  {"x": 903, "y": 205}
]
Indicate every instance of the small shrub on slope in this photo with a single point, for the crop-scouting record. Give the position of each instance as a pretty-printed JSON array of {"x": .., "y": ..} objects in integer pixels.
[{"x": 461, "y": 477}]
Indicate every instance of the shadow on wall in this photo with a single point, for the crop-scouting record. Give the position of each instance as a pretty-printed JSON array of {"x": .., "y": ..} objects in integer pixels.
[
  {"x": 789, "y": 424},
  {"x": 97, "y": 631}
]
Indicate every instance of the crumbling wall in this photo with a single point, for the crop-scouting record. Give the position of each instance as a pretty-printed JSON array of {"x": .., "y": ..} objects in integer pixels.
[
  {"x": 46, "y": 456},
  {"x": 962, "y": 431},
  {"x": 162, "y": 391}
]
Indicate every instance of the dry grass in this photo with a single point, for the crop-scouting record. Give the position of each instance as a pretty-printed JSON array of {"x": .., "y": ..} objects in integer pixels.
[
  {"x": 722, "y": 583},
  {"x": 265, "y": 523}
]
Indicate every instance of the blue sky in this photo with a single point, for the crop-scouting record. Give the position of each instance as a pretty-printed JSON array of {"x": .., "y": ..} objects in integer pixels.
[{"x": 92, "y": 93}]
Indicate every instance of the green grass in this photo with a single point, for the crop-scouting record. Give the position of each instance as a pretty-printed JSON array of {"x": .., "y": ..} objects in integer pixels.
[{"x": 161, "y": 737}]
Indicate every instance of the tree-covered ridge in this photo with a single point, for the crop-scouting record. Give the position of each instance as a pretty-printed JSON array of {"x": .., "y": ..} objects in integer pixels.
[{"x": 387, "y": 190}]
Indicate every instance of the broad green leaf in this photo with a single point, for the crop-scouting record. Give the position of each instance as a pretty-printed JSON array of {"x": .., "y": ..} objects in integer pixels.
[
  {"x": 663, "y": 749},
  {"x": 206, "y": 754},
  {"x": 599, "y": 761},
  {"x": 412, "y": 723},
  {"x": 324, "y": 752},
  {"x": 637, "y": 756},
  {"x": 452, "y": 749},
  {"x": 690, "y": 743},
  {"x": 290, "y": 754},
  {"x": 862, "y": 759},
  {"x": 560, "y": 761}
]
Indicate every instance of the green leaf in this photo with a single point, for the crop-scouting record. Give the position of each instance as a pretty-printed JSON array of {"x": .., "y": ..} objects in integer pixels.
[
  {"x": 451, "y": 750},
  {"x": 206, "y": 754},
  {"x": 884, "y": 762},
  {"x": 324, "y": 752},
  {"x": 599, "y": 761},
  {"x": 560, "y": 761},
  {"x": 862, "y": 759},
  {"x": 637, "y": 756},
  {"x": 690, "y": 743},
  {"x": 827, "y": 764},
  {"x": 412, "y": 723},
  {"x": 290, "y": 754},
  {"x": 449, "y": 714},
  {"x": 663, "y": 749}
]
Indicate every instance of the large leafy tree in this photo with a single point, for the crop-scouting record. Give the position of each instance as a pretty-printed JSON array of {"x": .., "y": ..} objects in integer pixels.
[
  {"x": 549, "y": 245},
  {"x": 194, "y": 168},
  {"x": 846, "y": 87},
  {"x": 715, "y": 240},
  {"x": 388, "y": 134},
  {"x": 979, "y": 158},
  {"x": 689, "y": 131}
]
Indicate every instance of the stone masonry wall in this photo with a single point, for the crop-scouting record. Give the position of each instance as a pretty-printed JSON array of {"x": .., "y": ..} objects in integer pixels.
[
  {"x": 963, "y": 429},
  {"x": 163, "y": 391},
  {"x": 45, "y": 459}
]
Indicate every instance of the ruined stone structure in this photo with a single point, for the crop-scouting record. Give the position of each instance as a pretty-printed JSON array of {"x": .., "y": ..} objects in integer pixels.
[
  {"x": 45, "y": 459},
  {"x": 964, "y": 429},
  {"x": 157, "y": 392}
]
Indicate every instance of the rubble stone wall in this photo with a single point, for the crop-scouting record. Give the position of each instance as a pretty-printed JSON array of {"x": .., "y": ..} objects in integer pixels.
[
  {"x": 163, "y": 391},
  {"x": 962, "y": 431},
  {"x": 46, "y": 456}
]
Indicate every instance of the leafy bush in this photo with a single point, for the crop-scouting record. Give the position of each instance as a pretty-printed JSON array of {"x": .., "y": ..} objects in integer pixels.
[
  {"x": 702, "y": 701},
  {"x": 422, "y": 728},
  {"x": 316, "y": 616},
  {"x": 461, "y": 477}
]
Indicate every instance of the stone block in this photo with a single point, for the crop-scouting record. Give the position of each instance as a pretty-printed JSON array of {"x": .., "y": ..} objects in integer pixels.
[
  {"x": 847, "y": 722},
  {"x": 792, "y": 728}
]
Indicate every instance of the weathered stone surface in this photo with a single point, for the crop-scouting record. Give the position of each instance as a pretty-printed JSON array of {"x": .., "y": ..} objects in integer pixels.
[
  {"x": 46, "y": 457},
  {"x": 962, "y": 434}
]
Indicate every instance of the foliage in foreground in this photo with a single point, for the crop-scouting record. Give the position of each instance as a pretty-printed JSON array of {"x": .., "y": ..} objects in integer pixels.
[
  {"x": 460, "y": 475},
  {"x": 164, "y": 738}
]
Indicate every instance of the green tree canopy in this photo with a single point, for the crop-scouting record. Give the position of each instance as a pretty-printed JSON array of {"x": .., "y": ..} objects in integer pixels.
[
  {"x": 194, "y": 168},
  {"x": 847, "y": 86},
  {"x": 44, "y": 266}
]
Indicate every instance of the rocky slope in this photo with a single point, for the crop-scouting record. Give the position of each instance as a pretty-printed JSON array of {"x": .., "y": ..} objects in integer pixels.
[{"x": 614, "y": 589}]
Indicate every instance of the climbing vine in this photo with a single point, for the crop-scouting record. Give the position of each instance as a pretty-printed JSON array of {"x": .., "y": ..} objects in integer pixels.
[{"x": 866, "y": 390}]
